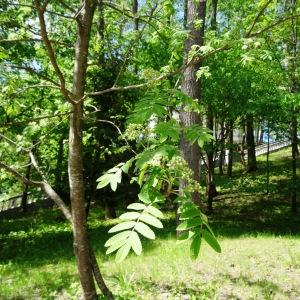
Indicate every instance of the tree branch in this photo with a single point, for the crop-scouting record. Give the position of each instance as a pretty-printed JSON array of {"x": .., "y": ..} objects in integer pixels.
[
  {"x": 273, "y": 25},
  {"x": 50, "y": 51},
  {"x": 35, "y": 72},
  {"x": 33, "y": 119},
  {"x": 257, "y": 17}
]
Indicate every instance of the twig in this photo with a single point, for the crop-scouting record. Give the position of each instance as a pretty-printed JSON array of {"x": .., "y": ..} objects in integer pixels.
[{"x": 50, "y": 51}]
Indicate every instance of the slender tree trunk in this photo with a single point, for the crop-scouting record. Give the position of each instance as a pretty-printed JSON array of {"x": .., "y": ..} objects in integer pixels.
[
  {"x": 261, "y": 136},
  {"x": 268, "y": 161},
  {"x": 294, "y": 90},
  {"x": 252, "y": 166},
  {"x": 25, "y": 191},
  {"x": 294, "y": 161},
  {"x": 222, "y": 149},
  {"x": 110, "y": 211},
  {"x": 230, "y": 153},
  {"x": 76, "y": 177},
  {"x": 210, "y": 182},
  {"x": 191, "y": 86},
  {"x": 135, "y": 7}
]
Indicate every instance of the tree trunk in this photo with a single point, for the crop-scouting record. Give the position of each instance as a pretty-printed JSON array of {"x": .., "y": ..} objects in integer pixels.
[
  {"x": 135, "y": 7},
  {"x": 25, "y": 191},
  {"x": 76, "y": 177},
  {"x": 210, "y": 182},
  {"x": 191, "y": 86},
  {"x": 222, "y": 149},
  {"x": 252, "y": 166},
  {"x": 294, "y": 161},
  {"x": 110, "y": 211},
  {"x": 294, "y": 90},
  {"x": 230, "y": 152}
]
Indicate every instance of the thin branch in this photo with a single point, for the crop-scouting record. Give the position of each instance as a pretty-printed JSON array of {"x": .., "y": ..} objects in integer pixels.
[
  {"x": 28, "y": 40},
  {"x": 46, "y": 11},
  {"x": 19, "y": 176},
  {"x": 273, "y": 25},
  {"x": 257, "y": 17},
  {"x": 67, "y": 6},
  {"x": 34, "y": 119},
  {"x": 35, "y": 72},
  {"x": 51, "y": 53},
  {"x": 129, "y": 50},
  {"x": 42, "y": 184},
  {"x": 120, "y": 132},
  {"x": 36, "y": 86}
]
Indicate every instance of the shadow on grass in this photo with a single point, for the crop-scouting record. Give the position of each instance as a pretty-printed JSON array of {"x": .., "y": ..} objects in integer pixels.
[{"x": 241, "y": 209}]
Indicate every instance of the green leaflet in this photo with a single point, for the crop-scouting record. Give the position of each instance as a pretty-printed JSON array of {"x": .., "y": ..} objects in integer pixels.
[
  {"x": 123, "y": 252},
  {"x": 120, "y": 236},
  {"x": 155, "y": 212},
  {"x": 185, "y": 236},
  {"x": 189, "y": 214},
  {"x": 170, "y": 129},
  {"x": 127, "y": 165},
  {"x": 145, "y": 230},
  {"x": 191, "y": 223},
  {"x": 195, "y": 246},
  {"x": 122, "y": 226},
  {"x": 151, "y": 220},
  {"x": 115, "y": 246},
  {"x": 211, "y": 240},
  {"x": 130, "y": 216},
  {"x": 136, "y": 244},
  {"x": 136, "y": 206}
]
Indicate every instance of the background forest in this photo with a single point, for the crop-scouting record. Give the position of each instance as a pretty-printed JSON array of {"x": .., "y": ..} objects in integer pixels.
[{"x": 124, "y": 122}]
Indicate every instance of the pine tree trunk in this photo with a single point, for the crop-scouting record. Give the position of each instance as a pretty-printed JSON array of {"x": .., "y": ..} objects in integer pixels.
[
  {"x": 192, "y": 87},
  {"x": 252, "y": 166}
]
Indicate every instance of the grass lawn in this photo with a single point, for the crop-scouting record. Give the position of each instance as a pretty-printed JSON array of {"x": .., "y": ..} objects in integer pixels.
[{"x": 260, "y": 257}]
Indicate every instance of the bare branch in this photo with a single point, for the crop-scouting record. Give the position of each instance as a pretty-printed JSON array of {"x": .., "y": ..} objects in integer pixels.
[
  {"x": 34, "y": 119},
  {"x": 28, "y": 40},
  {"x": 273, "y": 25},
  {"x": 120, "y": 132},
  {"x": 19, "y": 176},
  {"x": 44, "y": 185},
  {"x": 51, "y": 53},
  {"x": 45, "y": 10},
  {"x": 35, "y": 72},
  {"x": 36, "y": 86},
  {"x": 257, "y": 17}
]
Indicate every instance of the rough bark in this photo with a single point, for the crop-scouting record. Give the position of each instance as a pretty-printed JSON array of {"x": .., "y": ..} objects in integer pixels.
[
  {"x": 252, "y": 166},
  {"x": 191, "y": 86}
]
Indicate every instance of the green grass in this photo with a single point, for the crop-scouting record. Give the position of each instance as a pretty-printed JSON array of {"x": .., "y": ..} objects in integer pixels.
[{"x": 260, "y": 258}]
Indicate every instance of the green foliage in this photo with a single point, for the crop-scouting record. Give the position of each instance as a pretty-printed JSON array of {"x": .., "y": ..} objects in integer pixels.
[
  {"x": 114, "y": 176},
  {"x": 140, "y": 219}
]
